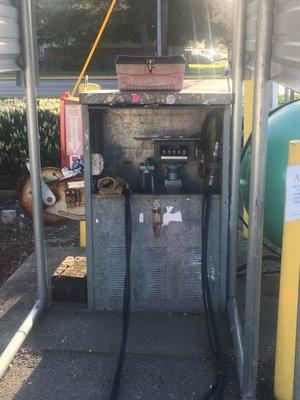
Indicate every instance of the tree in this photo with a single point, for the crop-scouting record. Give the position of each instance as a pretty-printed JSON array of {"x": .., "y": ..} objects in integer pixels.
[
  {"x": 72, "y": 25},
  {"x": 222, "y": 19},
  {"x": 194, "y": 19},
  {"x": 186, "y": 22},
  {"x": 75, "y": 23}
]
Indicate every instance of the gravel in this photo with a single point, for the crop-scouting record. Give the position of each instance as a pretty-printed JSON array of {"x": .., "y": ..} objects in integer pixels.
[{"x": 17, "y": 240}]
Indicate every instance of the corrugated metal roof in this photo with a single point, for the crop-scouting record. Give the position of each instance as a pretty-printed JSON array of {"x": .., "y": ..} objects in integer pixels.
[
  {"x": 10, "y": 40},
  {"x": 286, "y": 41}
]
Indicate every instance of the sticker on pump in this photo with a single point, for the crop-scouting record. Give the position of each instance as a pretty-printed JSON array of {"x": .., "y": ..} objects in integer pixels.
[
  {"x": 292, "y": 193},
  {"x": 74, "y": 130}
]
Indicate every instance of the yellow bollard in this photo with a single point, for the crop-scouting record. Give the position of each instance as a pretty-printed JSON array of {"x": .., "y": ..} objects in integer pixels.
[
  {"x": 248, "y": 117},
  {"x": 248, "y": 107},
  {"x": 289, "y": 280},
  {"x": 82, "y": 234}
]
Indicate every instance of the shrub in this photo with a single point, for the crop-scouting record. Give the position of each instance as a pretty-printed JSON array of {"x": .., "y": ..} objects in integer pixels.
[{"x": 13, "y": 134}]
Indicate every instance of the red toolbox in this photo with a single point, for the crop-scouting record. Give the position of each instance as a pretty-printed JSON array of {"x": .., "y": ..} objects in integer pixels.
[{"x": 150, "y": 73}]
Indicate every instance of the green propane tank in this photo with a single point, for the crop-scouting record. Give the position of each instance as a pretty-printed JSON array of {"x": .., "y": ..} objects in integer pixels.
[{"x": 283, "y": 126}]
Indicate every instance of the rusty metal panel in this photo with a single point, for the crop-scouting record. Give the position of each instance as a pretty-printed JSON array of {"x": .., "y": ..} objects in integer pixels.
[
  {"x": 10, "y": 37},
  {"x": 166, "y": 268},
  {"x": 286, "y": 41}
]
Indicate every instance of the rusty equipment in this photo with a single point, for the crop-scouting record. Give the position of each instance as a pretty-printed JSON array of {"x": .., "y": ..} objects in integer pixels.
[
  {"x": 68, "y": 193},
  {"x": 110, "y": 185}
]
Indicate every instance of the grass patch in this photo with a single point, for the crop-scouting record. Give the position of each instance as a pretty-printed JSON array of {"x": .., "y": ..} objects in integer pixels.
[{"x": 216, "y": 68}]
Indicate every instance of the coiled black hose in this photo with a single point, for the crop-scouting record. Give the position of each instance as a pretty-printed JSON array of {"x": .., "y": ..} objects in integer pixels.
[
  {"x": 217, "y": 390},
  {"x": 114, "y": 394}
]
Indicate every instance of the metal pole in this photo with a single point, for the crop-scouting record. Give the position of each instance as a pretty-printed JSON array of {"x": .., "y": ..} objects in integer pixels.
[
  {"x": 257, "y": 188},
  {"x": 35, "y": 170},
  {"x": 159, "y": 28},
  {"x": 16, "y": 342},
  {"x": 164, "y": 27},
  {"x": 238, "y": 66},
  {"x": 274, "y": 95},
  {"x": 236, "y": 138},
  {"x": 286, "y": 95},
  {"x": 237, "y": 336},
  {"x": 292, "y": 95},
  {"x": 34, "y": 148},
  {"x": 88, "y": 206}
]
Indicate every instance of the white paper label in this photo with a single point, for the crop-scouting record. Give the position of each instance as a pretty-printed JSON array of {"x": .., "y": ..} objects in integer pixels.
[
  {"x": 141, "y": 218},
  {"x": 171, "y": 217},
  {"x": 292, "y": 193}
]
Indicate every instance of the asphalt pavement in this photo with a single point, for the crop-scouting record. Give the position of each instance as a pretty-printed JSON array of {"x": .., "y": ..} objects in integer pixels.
[
  {"x": 55, "y": 87},
  {"x": 49, "y": 87},
  {"x": 71, "y": 353}
]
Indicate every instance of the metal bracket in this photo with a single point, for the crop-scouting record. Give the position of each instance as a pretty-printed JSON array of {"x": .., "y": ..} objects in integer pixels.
[{"x": 47, "y": 195}]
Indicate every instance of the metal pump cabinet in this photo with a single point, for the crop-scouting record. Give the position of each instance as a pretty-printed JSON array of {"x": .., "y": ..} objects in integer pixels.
[{"x": 128, "y": 129}]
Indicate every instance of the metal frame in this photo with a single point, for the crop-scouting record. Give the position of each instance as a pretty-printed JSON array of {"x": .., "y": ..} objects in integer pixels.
[
  {"x": 34, "y": 151},
  {"x": 246, "y": 341},
  {"x": 225, "y": 200},
  {"x": 98, "y": 102},
  {"x": 285, "y": 62},
  {"x": 159, "y": 26},
  {"x": 238, "y": 67},
  {"x": 88, "y": 199},
  {"x": 246, "y": 349},
  {"x": 10, "y": 37},
  {"x": 262, "y": 88}
]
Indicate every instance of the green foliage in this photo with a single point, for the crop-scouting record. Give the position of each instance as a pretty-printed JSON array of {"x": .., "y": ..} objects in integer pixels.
[
  {"x": 70, "y": 27},
  {"x": 13, "y": 134},
  {"x": 75, "y": 23}
]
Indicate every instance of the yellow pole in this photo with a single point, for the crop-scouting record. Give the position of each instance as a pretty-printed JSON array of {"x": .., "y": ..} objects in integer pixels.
[
  {"x": 96, "y": 42},
  {"x": 82, "y": 234},
  {"x": 248, "y": 118},
  {"x": 248, "y": 107},
  {"x": 289, "y": 281}
]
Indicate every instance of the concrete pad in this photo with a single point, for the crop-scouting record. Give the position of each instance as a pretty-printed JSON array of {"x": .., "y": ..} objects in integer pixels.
[
  {"x": 71, "y": 353},
  {"x": 89, "y": 376},
  {"x": 19, "y": 292},
  {"x": 183, "y": 335}
]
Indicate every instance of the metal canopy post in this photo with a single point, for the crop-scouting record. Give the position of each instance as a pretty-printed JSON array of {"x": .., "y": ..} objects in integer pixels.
[
  {"x": 159, "y": 28},
  {"x": 34, "y": 151},
  {"x": 34, "y": 148},
  {"x": 257, "y": 189},
  {"x": 238, "y": 67}
]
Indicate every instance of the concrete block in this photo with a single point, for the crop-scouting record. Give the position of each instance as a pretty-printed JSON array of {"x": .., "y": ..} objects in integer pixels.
[{"x": 69, "y": 281}]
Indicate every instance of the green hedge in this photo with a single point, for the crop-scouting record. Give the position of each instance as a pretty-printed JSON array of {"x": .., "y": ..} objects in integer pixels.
[{"x": 13, "y": 134}]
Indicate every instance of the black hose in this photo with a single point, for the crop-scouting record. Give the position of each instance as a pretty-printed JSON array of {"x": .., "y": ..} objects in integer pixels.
[
  {"x": 114, "y": 394},
  {"x": 217, "y": 390},
  {"x": 208, "y": 136},
  {"x": 264, "y": 243},
  {"x": 265, "y": 257}
]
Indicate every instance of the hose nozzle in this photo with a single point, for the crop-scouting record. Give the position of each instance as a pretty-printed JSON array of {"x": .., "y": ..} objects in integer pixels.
[{"x": 213, "y": 166}]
